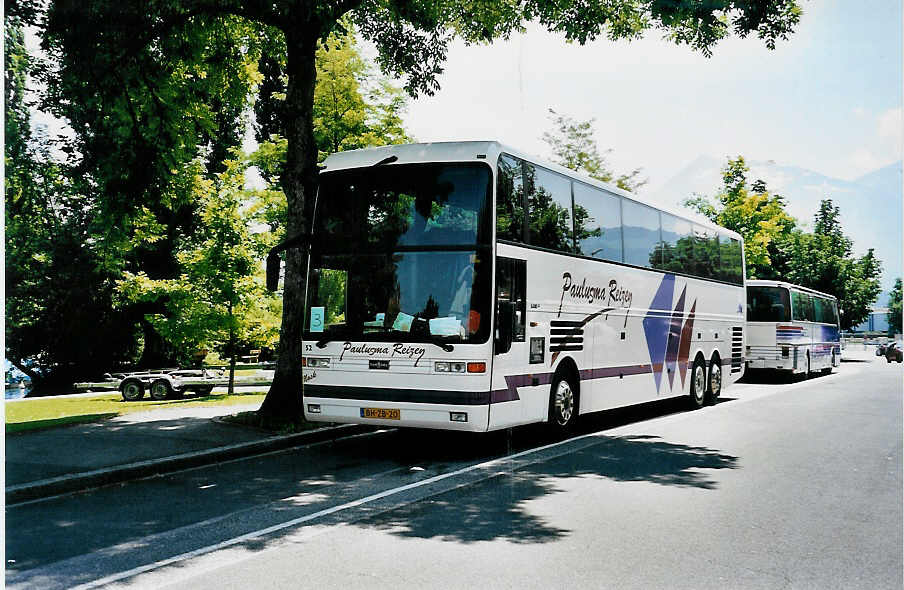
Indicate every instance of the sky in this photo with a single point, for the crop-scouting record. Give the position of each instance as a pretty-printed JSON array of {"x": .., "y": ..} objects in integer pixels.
[{"x": 829, "y": 99}]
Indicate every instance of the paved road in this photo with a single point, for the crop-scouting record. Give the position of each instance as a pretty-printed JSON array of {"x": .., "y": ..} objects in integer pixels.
[{"x": 793, "y": 486}]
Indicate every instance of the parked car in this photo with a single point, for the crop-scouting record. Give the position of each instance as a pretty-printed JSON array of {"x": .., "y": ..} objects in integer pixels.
[{"x": 893, "y": 352}]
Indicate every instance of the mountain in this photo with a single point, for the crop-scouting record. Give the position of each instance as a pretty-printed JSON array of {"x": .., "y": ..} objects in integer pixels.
[{"x": 871, "y": 206}]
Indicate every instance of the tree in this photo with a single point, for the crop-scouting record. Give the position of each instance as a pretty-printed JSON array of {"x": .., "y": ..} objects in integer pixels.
[
  {"x": 574, "y": 147},
  {"x": 753, "y": 212},
  {"x": 100, "y": 42},
  {"x": 775, "y": 248},
  {"x": 354, "y": 107},
  {"x": 219, "y": 297},
  {"x": 894, "y": 309},
  {"x": 824, "y": 261},
  {"x": 59, "y": 318}
]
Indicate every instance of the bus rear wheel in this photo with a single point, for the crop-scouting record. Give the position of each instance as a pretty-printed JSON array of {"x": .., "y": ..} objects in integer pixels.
[
  {"x": 715, "y": 380},
  {"x": 697, "y": 396},
  {"x": 563, "y": 403}
]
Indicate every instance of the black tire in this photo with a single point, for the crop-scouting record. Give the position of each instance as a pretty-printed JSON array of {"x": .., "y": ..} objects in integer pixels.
[
  {"x": 563, "y": 403},
  {"x": 161, "y": 390},
  {"x": 132, "y": 390},
  {"x": 697, "y": 396},
  {"x": 714, "y": 383},
  {"x": 205, "y": 391},
  {"x": 888, "y": 359}
]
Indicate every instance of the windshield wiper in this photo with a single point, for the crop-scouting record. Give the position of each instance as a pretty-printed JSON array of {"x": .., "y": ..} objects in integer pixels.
[{"x": 444, "y": 345}]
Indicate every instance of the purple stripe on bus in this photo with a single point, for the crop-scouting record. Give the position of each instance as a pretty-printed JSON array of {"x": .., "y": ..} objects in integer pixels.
[
  {"x": 671, "y": 352},
  {"x": 515, "y": 381}
]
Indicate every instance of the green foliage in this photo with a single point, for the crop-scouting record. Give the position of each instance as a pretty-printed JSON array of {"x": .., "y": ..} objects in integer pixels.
[
  {"x": 428, "y": 26},
  {"x": 219, "y": 297},
  {"x": 753, "y": 212},
  {"x": 354, "y": 107},
  {"x": 574, "y": 147},
  {"x": 894, "y": 309},
  {"x": 775, "y": 248},
  {"x": 58, "y": 312},
  {"x": 823, "y": 260}
]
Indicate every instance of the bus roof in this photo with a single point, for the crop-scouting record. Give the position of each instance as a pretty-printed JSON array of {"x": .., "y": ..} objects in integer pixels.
[
  {"x": 769, "y": 283},
  {"x": 488, "y": 151}
]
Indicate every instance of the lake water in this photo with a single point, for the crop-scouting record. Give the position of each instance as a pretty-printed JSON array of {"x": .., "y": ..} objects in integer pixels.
[{"x": 16, "y": 392}]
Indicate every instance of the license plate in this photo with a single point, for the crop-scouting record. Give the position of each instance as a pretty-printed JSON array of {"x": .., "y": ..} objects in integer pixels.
[{"x": 381, "y": 413}]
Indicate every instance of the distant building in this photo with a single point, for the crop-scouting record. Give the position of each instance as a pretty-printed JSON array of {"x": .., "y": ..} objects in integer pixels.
[{"x": 876, "y": 322}]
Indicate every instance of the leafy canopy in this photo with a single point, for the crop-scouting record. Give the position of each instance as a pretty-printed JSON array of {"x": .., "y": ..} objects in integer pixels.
[
  {"x": 776, "y": 248},
  {"x": 752, "y": 211}
]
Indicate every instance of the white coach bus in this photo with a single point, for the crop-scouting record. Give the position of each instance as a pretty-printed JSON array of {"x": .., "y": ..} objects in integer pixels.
[
  {"x": 791, "y": 329},
  {"x": 468, "y": 286}
]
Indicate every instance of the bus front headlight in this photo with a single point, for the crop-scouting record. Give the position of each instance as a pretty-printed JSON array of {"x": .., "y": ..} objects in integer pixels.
[{"x": 449, "y": 367}]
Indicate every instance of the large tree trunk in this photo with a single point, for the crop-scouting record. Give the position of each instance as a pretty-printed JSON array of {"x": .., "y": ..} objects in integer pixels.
[{"x": 299, "y": 182}]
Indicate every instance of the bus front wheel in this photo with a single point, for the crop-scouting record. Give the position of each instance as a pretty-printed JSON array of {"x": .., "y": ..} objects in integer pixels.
[{"x": 563, "y": 403}]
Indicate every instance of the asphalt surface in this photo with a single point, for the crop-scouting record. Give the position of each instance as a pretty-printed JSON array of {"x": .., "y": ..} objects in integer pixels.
[
  {"x": 777, "y": 486},
  {"x": 140, "y": 436}
]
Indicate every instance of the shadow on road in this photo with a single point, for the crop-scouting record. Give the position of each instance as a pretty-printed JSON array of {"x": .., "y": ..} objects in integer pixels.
[
  {"x": 497, "y": 508},
  {"x": 766, "y": 377}
]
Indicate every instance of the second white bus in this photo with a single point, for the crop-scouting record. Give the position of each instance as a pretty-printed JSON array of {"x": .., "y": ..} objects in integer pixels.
[{"x": 791, "y": 329}]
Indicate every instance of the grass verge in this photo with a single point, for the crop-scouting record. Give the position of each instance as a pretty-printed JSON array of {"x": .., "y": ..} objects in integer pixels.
[{"x": 37, "y": 413}]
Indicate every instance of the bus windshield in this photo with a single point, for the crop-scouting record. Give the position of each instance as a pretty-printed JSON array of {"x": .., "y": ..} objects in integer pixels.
[
  {"x": 768, "y": 304},
  {"x": 400, "y": 254}
]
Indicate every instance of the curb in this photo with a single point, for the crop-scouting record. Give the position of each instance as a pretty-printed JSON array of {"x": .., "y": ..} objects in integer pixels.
[{"x": 157, "y": 467}]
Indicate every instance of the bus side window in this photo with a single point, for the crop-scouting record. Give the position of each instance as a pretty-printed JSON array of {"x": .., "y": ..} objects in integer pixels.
[
  {"x": 640, "y": 229},
  {"x": 509, "y": 200},
  {"x": 802, "y": 306},
  {"x": 511, "y": 285},
  {"x": 549, "y": 214}
]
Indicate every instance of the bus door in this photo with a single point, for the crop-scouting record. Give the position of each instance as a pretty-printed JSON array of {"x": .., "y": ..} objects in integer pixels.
[{"x": 510, "y": 360}]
